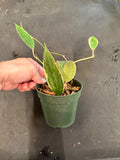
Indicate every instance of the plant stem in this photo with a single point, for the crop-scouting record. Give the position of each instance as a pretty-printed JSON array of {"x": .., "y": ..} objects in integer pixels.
[
  {"x": 38, "y": 41},
  {"x": 58, "y": 54},
  {"x": 36, "y": 57},
  {"x": 83, "y": 59}
]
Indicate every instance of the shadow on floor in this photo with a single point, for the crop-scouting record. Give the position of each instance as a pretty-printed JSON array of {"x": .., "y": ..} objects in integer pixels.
[
  {"x": 42, "y": 135},
  {"x": 104, "y": 154}
]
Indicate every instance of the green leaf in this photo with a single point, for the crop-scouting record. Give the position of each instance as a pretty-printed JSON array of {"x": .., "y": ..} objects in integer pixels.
[
  {"x": 53, "y": 76},
  {"x": 67, "y": 69},
  {"x": 25, "y": 36},
  {"x": 60, "y": 64},
  {"x": 93, "y": 42}
]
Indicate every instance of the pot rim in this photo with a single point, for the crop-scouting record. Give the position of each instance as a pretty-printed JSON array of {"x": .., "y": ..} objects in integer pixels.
[{"x": 61, "y": 95}]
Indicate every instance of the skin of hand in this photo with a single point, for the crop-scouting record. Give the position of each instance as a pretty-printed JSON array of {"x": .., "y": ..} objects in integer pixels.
[{"x": 21, "y": 73}]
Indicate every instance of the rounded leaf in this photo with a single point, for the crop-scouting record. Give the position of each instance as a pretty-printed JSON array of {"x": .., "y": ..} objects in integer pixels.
[
  {"x": 60, "y": 64},
  {"x": 68, "y": 71},
  {"x": 93, "y": 42}
]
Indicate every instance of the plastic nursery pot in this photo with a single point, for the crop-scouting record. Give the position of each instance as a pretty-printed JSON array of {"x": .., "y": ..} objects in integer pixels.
[{"x": 60, "y": 111}]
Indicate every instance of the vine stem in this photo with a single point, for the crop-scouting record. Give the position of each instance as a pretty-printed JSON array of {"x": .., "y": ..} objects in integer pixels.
[
  {"x": 36, "y": 57},
  {"x": 43, "y": 48},
  {"x": 83, "y": 59},
  {"x": 38, "y": 41},
  {"x": 58, "y": 54}
]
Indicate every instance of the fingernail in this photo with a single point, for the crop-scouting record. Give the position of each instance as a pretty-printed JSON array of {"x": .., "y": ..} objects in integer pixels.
[{"x": 43, "y": 80}]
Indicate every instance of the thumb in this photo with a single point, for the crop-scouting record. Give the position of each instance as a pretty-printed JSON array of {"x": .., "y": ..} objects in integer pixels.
[{"x": 38, "y": 79}]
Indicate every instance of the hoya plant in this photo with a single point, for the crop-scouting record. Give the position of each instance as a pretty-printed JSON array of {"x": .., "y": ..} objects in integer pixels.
[{"x": 57, "y": 72}]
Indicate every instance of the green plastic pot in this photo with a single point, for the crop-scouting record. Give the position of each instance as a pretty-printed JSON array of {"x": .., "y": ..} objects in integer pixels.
[{"x": 60, "y": 111}]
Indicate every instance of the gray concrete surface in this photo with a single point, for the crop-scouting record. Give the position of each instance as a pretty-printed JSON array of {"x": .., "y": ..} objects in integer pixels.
[{"x": 65, "y": 26}]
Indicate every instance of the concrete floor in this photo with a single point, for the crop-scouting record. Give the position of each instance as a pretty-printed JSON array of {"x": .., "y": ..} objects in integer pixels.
[{"x": 65, "y": 26}]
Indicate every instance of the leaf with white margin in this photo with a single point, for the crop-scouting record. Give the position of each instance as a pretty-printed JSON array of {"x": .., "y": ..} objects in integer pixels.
[
  {"x": 67, "y": 69},
  {"x": 25, "y": 36},
  {"x": 53, "y": 75},
  {"x": 93, "y": 42}
]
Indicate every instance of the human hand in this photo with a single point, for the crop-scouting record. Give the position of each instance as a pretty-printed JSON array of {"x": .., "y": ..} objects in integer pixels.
[{"x": 21, "y": 73}]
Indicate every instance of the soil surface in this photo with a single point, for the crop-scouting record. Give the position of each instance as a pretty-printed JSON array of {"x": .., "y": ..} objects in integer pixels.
[{"x": 69, "y": 88}]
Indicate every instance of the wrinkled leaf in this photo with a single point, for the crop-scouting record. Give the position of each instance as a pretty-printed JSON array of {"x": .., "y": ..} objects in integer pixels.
[
  {"x": 25, "y": 36},
  {"x": 53, "y": 76},
  {"x": 67, "y": 69},
  {"x": 93, "y": 42}
]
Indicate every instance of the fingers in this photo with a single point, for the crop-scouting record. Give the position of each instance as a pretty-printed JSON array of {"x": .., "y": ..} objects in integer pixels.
[
  {"x": 39, "y": 74},
  {"x": 41, "y": 71},
  {"x": 26, "y": 86},
  {"x": 38, "y": 79}
]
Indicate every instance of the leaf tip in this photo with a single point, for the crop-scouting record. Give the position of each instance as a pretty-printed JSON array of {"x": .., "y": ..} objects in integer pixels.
[
  {"x": 21, "y": 24},
  {"x": 25, "y": 36}
]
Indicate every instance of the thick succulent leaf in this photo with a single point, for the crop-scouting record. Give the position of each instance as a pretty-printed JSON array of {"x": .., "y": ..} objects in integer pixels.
[
  {"x": 53, "y": 76},
  {"x": 67, "y": 69},
  {"x": 26, "y": 37},
  {"x": 93, "y": 42}
]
